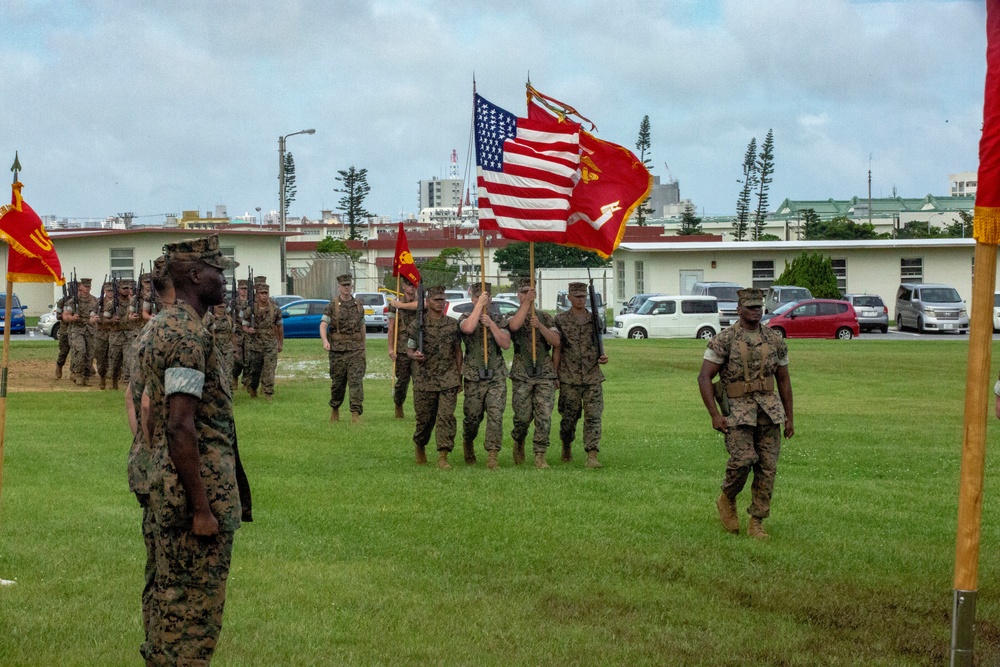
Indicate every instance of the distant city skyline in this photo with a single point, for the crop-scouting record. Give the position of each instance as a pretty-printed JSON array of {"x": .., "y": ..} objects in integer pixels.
[{"x": 158, "y": 108}]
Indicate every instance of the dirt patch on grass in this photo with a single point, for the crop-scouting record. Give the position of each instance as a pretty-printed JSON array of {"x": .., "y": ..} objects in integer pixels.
[{"x": 35, "y": 375}]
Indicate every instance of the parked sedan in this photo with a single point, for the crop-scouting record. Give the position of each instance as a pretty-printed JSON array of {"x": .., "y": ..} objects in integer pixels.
[
  {"x": 460, "y": 307},
  {"x": 376, "y": 310},
  {"x": 996, "y": 312},
  {"x": 873, "y": 315},
  {"x": 16, "y": 317},
  {"x": 301, "y": 318},
  {"x": 814, "y": 318}
]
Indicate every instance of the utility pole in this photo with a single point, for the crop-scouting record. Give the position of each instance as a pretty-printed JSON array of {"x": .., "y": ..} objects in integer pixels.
[{"x": 869, "y": 188}]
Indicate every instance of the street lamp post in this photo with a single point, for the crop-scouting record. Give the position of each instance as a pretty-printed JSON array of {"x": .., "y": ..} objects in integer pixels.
[
  {"x": 281, "y": 196},
  {"x": 260, "y": 223}
]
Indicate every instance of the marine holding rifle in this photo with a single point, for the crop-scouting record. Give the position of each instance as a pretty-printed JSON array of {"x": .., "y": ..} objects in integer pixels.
[
  {"x": 581, "y": 355},
  {"x": 343, "y": 332},
  {"x": 748, "y": 358},
  {"x": 80, "y": 315}
]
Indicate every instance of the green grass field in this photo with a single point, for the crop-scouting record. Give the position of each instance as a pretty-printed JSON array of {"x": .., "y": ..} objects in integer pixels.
[{"x": 358, "y": 557}]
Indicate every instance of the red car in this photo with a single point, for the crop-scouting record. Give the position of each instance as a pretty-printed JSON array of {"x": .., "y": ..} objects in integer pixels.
[{"x": 815, "y": 318}]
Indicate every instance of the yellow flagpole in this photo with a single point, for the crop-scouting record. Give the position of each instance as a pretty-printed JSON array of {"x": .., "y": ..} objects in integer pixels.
[
  {"x": 3, "y": 373},
  {"x": 482, "y": 288},
  {"x": 531, "y": 311},
  {"x": 395, "y": 335}
]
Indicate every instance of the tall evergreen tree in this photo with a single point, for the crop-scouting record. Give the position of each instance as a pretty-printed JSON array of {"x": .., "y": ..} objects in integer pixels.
[
  {"x": 690, "y": 223},
  {"x": 355, "y": 189},
  {"x": 289, "y": 181},
  {"x": 765, "y": 167},
  {"x": 642, "y": 145},
  {"x": 749, "y": 181}
]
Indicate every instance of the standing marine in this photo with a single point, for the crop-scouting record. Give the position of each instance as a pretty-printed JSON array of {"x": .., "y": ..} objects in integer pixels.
[
  {"x": 343, "y": 332},
  {"x": 750, "y": 360},
  {"x": 402, "y": 312},
  {"x": 237, "y": 307},
  {"x": 104, "y": 332},
  {"x": 265, "y": 337}
]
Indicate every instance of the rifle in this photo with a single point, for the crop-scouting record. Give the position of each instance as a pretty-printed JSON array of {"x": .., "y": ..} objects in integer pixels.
[
  {"x": 420, "y": 317},
  {"x": 598, "y": 340},
  {"x": 100, "y": 302},
  {"x": 152, "y": 291},
  {"x": 74, "y": 293},
  {"x": 114, "y": 295},
  {"x": 251, "y": 298}
]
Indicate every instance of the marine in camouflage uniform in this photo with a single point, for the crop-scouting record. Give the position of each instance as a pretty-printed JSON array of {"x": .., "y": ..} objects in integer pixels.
[
  {"x": 580, "y": 377},
  {"x": 484, "y": 376},
  {"x": 402, "y": 312},
  {"x": 265, "y": 336},
  {"x": 437, "y": 377},
  {"x": 192, "y": 482},
  {"x": 63, "y": 335},
  {"x": 237, "y": 307},
  {"x": 120, "y": 340},
  {"x": 343, "y": 332},
  {"x": 748, "y": 358},
  {"x": 80, "y": 312},
  {"x": 131, "y": 326},
  {"x": 219, "y": 321},
  {"x": 104, "y": 331},
  {"x": 533, "y": 380}
]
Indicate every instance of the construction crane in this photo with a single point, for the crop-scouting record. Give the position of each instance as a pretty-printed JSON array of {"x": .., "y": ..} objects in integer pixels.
[{"x": 670, "y": 177}]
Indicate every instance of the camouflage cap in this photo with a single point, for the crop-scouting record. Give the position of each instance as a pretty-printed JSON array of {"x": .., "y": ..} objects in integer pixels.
[
  {"x": 126, "y": 283},
  {"x": 436, "y": 291},
  {"x": 242, "y": 283},
  {"x": 478, "y": 288},
  {"x": 578, "y": 289},
  {"x": 205, "y": 249},
  {"x": 144, "y": 278},
  {"x": 751, "y": 296},
  {"x": 345, "y": 279},
  {"x": 523, "y": 283},
  {"x": 108, "y": 285},
  {"x": 261, "y": 287},
  {"x": 86, "y": 282},
  {"x": 259, "y": 279}
]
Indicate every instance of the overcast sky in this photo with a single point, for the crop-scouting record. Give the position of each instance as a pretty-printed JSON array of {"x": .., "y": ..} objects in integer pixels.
[{"x": 165, "y": 105}]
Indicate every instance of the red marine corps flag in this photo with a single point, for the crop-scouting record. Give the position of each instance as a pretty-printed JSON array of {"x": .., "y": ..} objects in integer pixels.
[{"x": 402, "y": 262}]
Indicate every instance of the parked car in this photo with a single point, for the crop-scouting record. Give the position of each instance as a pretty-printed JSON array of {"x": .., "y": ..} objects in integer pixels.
[
  {"x": 873, "y": 314},
  {"x": 727, "y": 295},
  {"x": 814, "y": 318},
  {"x": 301, "y": 318},
  {"x": 285, "y": 299},
  {"x": 460, "y": 307},
  {"x": 507, "y": 296},
  {"x": 16, "y": 318},
  {"x": 778, "y": 295},
  {"x": 376, "y": 310},
  {"x": 48, "y": 325},
  {"x": 455, "y": 294},
  {"x": 930, "y": 307},
  {"x": 671, "y": 317},
  {"x": 634, "y": 304},
  {"x": 996, "y": 312}
]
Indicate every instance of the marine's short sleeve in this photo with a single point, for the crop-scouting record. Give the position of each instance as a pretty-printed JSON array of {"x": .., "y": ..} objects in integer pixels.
[
  {"x": 185, "y": 366},
  {"x": 782, "y": 353},
  {"x": 718, "y": 349},
  {"x": 328, "y": 313},
  {"x": 996, "y": 388}
]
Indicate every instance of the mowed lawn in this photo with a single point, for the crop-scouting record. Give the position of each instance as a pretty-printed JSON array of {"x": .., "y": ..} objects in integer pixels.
[{"x": 359, "y": 557}]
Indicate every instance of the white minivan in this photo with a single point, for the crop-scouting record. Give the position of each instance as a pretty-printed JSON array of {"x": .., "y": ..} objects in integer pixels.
[{"x": 671, "y": 317}]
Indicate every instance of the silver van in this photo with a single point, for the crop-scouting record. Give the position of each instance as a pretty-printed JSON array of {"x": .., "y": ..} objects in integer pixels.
[
  {"x": 727, "y": 297},
  {"x": 930, "y": 307}
]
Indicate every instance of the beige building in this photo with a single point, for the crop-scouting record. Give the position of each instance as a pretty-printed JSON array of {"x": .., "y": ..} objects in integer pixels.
[{"x": 873, "y": 267}]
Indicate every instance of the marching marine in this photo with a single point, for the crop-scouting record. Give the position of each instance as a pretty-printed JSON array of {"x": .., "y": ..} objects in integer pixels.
[
  {"x": 265, "y": 338},
  {"x": 81, "y": 315},
  {"x": 104, "y": 331},
  {"x": 343, "y": 332},
  {"x": 63, "y": 335},
  {"x": 402, "y": 312}
]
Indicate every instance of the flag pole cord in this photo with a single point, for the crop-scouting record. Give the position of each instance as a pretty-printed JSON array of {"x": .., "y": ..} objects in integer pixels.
[{"x": 9, "y": 302}]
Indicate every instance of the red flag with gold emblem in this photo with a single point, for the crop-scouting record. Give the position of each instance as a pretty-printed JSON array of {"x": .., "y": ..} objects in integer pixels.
[
  {"x": 402, "y": 263},
  {"x": 31, "y": 257}
]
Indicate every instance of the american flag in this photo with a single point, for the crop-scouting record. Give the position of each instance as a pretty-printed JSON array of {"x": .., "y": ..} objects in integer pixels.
[{"x": 526, "y": 172}]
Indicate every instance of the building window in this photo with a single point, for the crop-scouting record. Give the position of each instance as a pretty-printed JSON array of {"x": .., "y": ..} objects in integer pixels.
[
  {"x": 230, "y": 274},
  {"x": 640, "y": 279},
  {"x": 911, "y": 270},
  {"x": 763, "y": 273},
  {"x": 123, "y": 263},
  {"x": 840, "y": 270},
  {"x": 620, "y": 270}
]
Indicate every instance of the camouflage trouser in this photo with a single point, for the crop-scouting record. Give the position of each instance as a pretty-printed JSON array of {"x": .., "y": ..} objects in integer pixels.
[
  {"x": 63, "y": 345},
  {"x": 224, "y": 352},
  {"x": 260, "y": 366},
  {"x": 533, "y": 400},
  {"x": 435, "y": 411},
  {"x": 489, "y": 397},
  {"x": 82, "y": 344},
  {"x": 116, "y": 355},
  {"x": 128, "y": 353},
  {"x": 348, "y": 369},
  {"x": 404, "y": 368},
  {"x": 239, "y": 351},
  {"x": 102, "y": 350},
  {"x": 753, "y": 448},
  {"x": 149, "y": 538},
  {"x": 581, "y": 398},
  {"x": 189, "y": 594}
]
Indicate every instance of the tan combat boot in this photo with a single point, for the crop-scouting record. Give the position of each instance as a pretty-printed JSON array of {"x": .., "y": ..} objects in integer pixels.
[
  {"x": 756, "y": 529},
  {"x": 492, "y": 462},
  {"x": 399, "y": 412},
  {"x": 103, "y": 383},
  {"x": 468, "y": 448},
  {"x": 355, "y": 418},
  {"x": 567, "y": 455},
  {"x": 540, "y": 461},
  {"x": 335, "y": 414},
  {"x": 114, "y": 383},
  {"x": 58, "y": 372},
  {"x": 519, "y": 452},
  {"x": 421, "y": 454},
  {"x": 443, "y": 460},
  {"x": 727, "y": 514},
  {"x": 592, "y": 461}
]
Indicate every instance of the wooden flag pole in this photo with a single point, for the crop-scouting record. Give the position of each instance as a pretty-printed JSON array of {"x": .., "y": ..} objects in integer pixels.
[
  {"x": 531, "y": 311},
  {"x": 395, "y": 334},
  {"x": 482, "y": 288},
  {"x": 3, "y": 373}
]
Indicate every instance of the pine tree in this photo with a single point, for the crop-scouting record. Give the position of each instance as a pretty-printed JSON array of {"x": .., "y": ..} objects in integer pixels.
[
  {"x": 765, "y": 167},
  {"x": 749, "y": 181},
  {"x": 690, "y": 223},
  {"x": 355, "y": 190},
  {"x": 289, "y": 181},
  {"x": 642, "y": 145}
]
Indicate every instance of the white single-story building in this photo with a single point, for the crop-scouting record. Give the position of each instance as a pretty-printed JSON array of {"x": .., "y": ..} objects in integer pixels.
[
  {"x": 96, "y": 253},
  {"x": 872, "y": 267}
]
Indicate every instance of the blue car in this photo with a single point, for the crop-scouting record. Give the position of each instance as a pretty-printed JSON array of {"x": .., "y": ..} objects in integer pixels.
[
  {"x": 17, "y": 314},
  {"x": 301, "y": 318}
]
